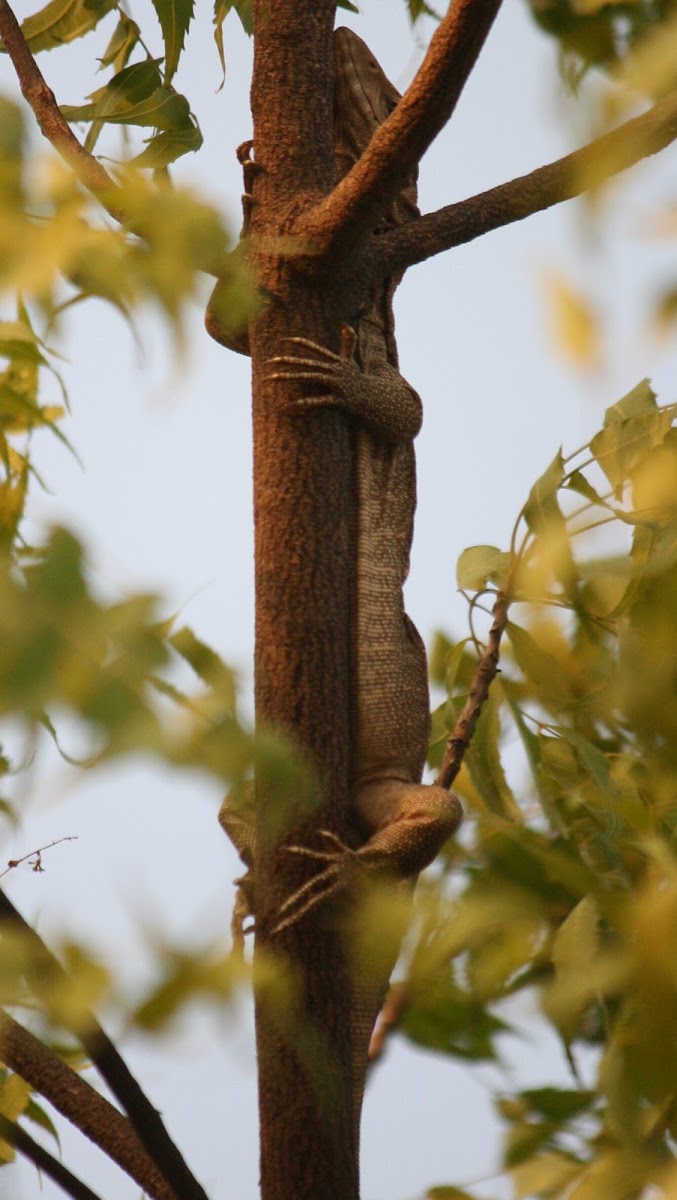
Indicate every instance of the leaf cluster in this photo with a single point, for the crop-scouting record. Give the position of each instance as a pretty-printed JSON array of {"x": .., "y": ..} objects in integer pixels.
[
  {"x": 563, "y": 886},
  {"x": 599, "y": 35}
]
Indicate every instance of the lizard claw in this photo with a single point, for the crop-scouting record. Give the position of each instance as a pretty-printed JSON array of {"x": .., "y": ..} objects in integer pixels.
[{"x": 340, "y": 860}]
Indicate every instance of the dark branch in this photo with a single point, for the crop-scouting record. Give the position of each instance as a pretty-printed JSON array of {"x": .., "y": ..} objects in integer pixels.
[
  {"x": 397, "y": 146},
  {"x": 145, "y": 1119},
  {"x": 46, "y": 1162},
  {"x": 570, "y": 176},
  {"x": 484, "y": 673},
  {"x": 78, "y": 1101}
]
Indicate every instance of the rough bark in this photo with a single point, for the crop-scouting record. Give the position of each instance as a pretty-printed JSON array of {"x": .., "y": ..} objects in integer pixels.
[{"x": 303, "y": 538}]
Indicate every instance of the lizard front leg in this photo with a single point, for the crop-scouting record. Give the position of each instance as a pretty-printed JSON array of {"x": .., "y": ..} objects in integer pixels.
[{"x": 381, "y": 399}]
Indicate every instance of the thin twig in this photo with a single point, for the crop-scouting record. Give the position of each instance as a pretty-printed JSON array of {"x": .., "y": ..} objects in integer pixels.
[
  {"x": 389, "y": 1018},
  {"x": 35, "y": 856},
  {"x": 145, "y": 1119},
  {"x": 46, "y": 1162},
  {"x": 81, "y": 1104},
  {"x": 484, "y": 673}
]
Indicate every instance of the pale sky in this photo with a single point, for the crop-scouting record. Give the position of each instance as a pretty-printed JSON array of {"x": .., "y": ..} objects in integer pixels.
[{"x": 164, "y": 505}]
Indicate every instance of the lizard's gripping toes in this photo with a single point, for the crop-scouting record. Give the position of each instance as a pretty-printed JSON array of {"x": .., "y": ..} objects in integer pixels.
[
  {"x": 318, "y": 365},
  {"x": 342, "y": 864}
]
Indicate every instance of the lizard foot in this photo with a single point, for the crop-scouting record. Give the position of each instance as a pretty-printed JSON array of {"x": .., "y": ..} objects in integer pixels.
[
  {"x": 332, "y": 371},
  {"x": 341, "y": 863}
]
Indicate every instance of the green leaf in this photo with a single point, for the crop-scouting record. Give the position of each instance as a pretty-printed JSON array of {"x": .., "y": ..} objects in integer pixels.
[
  {"x": 578, "y": 483},
  {"x": 541, "y": 670},
  {"x": 135, "y": 96},
  {"x": 348, "y": 5},
  {"x": 480, "y": 565},
  {"x": 125, "y": 37},
  {"x": 633, "y": 427},
  {"x": 557, "y": 1104},
  {"x": 205, "y": 662},
  {"x": 444, "y": 1192},
  {"x": 545, "y": 519},
  {"x": 542, "y": 508},
  {"x": 175, "y": 17},
  {"x": 592, "y": 759},
  {"x": 545, "y": 1175},
  {"x": 17, "y": 340},
  {"x": 244, "y": 10},
  {"x": 419, "y": 8},
  {"x": 165, "y": 148},
  {"x": 444, "y": 1017},
  {"x": 63, "y": 21},
  {"x": 483, "y": 762},
  {"x": 35, "y": 1113},
  {"x": 559, "y": 761}
]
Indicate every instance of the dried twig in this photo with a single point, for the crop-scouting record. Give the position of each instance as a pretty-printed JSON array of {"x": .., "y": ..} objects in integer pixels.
[{"x": 34, "y": 857}]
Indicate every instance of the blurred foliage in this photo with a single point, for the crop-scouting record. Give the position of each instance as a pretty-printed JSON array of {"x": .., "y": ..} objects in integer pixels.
[
  {"x": 561, "y": 888},
  {"x": 562, "y": 884},
  {"x": 54, "y": 252},
  {"x": 605, "y": 35}
]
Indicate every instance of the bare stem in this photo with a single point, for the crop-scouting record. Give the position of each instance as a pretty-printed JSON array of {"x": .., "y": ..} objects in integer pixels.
[
  {"x": 484, "y": 673},
  {"x": 45, "y": 1161}
]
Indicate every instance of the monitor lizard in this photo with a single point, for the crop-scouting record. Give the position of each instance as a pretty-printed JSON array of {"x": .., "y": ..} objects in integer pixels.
[{"x": 401, "y": 823}]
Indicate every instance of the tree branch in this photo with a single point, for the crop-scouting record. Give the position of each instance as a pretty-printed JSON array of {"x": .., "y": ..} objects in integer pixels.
[
  {"x": 397, "y": 146},
  {"x": 484, "y": 673},
  {"x": 59, "y": 134},
  {"x": 52, "y": 124},
  {"x": 81, "y": 1104},
  {"x": 145, "y": 1119},
  {"x": 37, "y": 1154},
  {"x": 563, "y": 179}
]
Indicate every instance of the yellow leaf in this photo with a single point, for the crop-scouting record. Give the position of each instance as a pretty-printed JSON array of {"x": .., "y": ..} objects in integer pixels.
[
  {"x": 543, "y": 1174},
  {"x": 14, "y": 1097},
  {"x": 572, "y": 321}
]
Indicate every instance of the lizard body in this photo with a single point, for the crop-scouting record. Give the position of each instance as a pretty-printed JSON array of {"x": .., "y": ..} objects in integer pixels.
[
  {"x": 404, "y": 823},
  {"x": 400, "y": 823}
]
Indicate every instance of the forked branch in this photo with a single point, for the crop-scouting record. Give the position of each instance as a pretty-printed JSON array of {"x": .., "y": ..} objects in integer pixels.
[
  {"x": 398, "y": 145},
  {"x": 145, "y": 1119},
  {"x": 81, "y": 1104}
]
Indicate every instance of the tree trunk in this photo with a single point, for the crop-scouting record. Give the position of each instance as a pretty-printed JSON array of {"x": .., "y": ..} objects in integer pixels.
[{"x": 303, "y": 501}]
